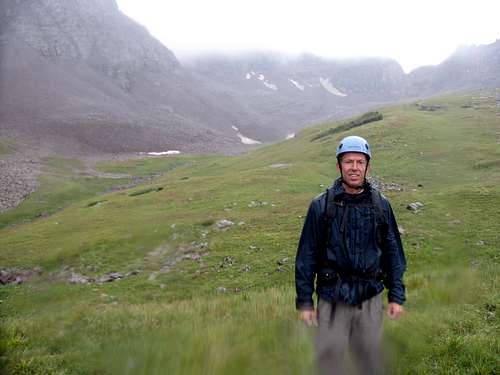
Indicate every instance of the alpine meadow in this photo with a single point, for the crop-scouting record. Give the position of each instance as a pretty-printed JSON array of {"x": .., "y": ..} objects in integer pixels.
[{"x": 191, "y": 271}]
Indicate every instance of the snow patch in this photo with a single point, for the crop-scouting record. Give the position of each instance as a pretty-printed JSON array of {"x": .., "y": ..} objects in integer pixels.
[
  {"x": 325, "y": 82},
  {"x": 270, "y": 85},
  {"x": 296, "y": 84},
  {"x": 248, "y": 141},
  {"x": 235, "y": 128},
  {"x": 290, "y": 136},
  {"x": 169, "y": 152},
  {"x": 262, "y": 78}
]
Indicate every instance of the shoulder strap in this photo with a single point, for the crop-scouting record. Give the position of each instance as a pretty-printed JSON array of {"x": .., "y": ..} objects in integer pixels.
[
  {"x": 328, "y": 215},
  {"x": 330, "y": 204},
  {"x": 380, "y": 219},
  {"x": 377, "y": 203}
]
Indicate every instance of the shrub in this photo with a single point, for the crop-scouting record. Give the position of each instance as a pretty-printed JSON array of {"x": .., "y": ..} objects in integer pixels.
[
  {"x": 145, "y": 191},
  {"x": 361, "y": 120}
]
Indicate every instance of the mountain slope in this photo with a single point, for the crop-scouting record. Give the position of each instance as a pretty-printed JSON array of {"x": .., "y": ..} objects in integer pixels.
[
  {"x": 470, "y": 67},
  {"x": 84, "y": 71},
  {"x": 287, "y": 94},
  {"x": 80, "y": 77}
]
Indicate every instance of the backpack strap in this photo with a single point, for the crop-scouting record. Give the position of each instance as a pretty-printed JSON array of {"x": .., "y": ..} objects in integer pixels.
[
  {"x": 328, "y": 215},
  {"x": 331, "y": 205},
  {"x": 377, "y": 202},
  {"x": 380, "y": 219}
]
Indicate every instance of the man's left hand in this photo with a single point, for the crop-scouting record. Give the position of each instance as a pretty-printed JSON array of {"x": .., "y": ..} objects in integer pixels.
[{"x": 394, "y": 311}]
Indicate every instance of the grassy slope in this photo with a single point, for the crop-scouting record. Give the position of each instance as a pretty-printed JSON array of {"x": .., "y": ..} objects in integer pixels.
[
  {"x": 63, "y": 181},
  {"x": 177, "y": 322},
  {"x": 7, "y": 146}
]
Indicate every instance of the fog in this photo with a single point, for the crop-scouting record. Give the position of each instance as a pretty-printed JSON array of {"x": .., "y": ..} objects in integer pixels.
[{"x": 413, "y": 33}]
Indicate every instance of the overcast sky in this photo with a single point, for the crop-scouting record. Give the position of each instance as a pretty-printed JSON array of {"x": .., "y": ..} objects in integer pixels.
[{"x": 414, "y": 33}]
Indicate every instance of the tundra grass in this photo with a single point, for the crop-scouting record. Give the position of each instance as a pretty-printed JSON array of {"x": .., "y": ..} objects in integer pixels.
[
  {"x": 62, "y": 182},
  {"x": 221, "y": 301},
  {"x": 146, "y": 166},
  {"x": 7, "y": 146}
]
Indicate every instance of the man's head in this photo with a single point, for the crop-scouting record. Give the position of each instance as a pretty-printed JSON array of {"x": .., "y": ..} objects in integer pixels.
[{"x": 353, "y": 157}]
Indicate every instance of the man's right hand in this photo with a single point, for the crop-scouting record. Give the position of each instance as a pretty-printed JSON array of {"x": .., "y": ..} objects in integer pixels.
[{"x": 308, "y": 317}]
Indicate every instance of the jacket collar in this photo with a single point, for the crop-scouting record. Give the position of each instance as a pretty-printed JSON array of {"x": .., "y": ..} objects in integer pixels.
[{"x": 339, "y": 191}]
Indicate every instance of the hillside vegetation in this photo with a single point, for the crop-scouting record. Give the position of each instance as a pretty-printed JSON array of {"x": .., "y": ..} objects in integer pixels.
[{"x": 202, "y": 300}]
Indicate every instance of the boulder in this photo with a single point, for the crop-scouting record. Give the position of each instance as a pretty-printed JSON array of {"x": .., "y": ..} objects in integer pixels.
[
  {"x": 224, "y": 224},
  {"x": 415, "y": 206}
]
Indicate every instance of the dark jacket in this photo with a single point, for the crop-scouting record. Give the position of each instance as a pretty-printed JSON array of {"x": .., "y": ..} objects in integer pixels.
[{"x": 355, "y": 265}]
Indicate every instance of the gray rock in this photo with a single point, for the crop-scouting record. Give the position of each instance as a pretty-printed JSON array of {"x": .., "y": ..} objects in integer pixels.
[
  {"x": 224, "y": 224},
  {"x": 415, "y": 206},
  {"x": 246, "y": 268},
  {"x": 283, "y": 261},
  {"x": 80, "y": 279},
  {"x": 18, "y": 275},
  {"x": 191, "y": 257},
  {"x": 279, "y": 166},
  {"x": 254, "y": 204},
  {"x": 227, "y": 262},
  {"x": 384, "y": 186},
  {"x": 110, "y": 277}
]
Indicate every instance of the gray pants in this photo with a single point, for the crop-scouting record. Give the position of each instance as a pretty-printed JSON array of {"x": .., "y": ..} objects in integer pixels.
[{"x": 360, "y": 329}]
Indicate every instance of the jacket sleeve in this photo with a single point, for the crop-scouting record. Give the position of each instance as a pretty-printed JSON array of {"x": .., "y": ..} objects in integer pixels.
[
  {"x": 393, "y": 259},
  {"x": 306, "y": 258}
]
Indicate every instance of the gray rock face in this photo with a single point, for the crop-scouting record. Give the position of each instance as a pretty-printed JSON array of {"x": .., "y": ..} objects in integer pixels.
[
  {"x": 470, "y": 67},
  {"x": 94, "y": 31},
  {"x": 81, "y": 72}
]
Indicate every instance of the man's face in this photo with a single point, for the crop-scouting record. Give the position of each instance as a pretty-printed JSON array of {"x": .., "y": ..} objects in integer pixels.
[{"x": 353, "y": 166}]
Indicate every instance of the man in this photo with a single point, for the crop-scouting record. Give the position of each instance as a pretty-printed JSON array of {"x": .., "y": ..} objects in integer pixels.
[{"x": 350, "y": 244}]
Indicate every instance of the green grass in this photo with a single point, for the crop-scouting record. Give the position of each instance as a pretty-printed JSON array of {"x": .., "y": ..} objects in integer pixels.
[
  {"x": 232, "y": 309},
  {"x": 146, "y": 166},
  {"x": 7, "y": 146},
  {"x": 62, "y": 182}
]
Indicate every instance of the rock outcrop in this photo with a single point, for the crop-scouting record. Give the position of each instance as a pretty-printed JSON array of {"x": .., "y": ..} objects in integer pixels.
[{"x": 81, "y": 72}]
